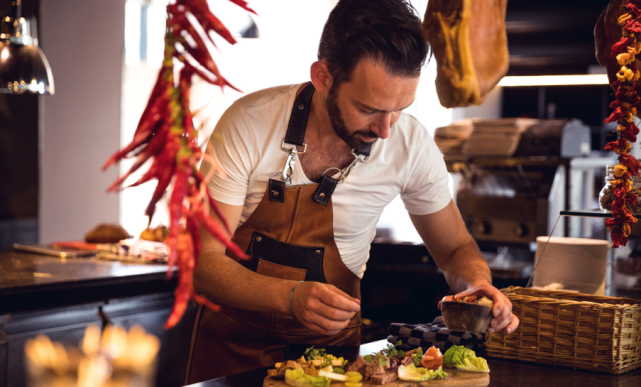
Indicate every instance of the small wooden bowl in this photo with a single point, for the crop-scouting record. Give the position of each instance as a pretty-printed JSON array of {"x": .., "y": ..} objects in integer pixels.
[{"x": 464, "y": 316}]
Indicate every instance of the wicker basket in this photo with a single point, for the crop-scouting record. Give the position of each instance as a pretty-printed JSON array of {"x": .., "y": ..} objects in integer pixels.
[{"x": 574, "y": 330}]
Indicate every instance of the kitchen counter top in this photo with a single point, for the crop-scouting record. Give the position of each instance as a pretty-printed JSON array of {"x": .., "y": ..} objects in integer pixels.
[
  {"x": 503, "y": 373},
  {"x": 32, "y": 281}
]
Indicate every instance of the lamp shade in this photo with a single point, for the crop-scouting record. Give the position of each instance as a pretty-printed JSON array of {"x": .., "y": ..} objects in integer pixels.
[
  {"x": 23, "y": 65},
  {"x": 24, "y": 69}
]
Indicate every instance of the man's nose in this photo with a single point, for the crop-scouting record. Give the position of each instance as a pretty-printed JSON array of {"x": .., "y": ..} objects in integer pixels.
[{"x": 382, "y": 125}]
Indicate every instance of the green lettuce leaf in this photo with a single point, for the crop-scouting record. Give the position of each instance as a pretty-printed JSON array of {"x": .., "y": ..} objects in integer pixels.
[
  {"x": 464, "y": 359},
  {"x": 417, "y": 356},
  {"x": 298, "y": 378},
  {"x": 419, "y": 374}
]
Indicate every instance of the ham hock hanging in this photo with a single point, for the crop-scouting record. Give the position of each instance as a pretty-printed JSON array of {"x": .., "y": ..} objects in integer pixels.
[{"x": 469, "y": 42}]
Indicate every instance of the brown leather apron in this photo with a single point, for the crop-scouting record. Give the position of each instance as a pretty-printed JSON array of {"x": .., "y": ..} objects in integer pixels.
[{"x": 289, "y": 236}]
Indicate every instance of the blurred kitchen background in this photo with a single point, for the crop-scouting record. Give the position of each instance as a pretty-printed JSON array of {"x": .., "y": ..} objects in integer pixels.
[{"x": 104, "y": 56}]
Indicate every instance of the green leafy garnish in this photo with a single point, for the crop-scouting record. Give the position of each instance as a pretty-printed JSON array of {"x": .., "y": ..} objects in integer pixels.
[
  {"x": 313, "y": 353},
  {"x": 420, "y": 374},
  {"x": 339, "y": 371},
  {"x": 391, "y": 350},
  {"x": 368, "y": 358},
  {"x": 464, "y": 359},
  {"x": 298, "y": 378},
  {"x": 417, "y": 356}
]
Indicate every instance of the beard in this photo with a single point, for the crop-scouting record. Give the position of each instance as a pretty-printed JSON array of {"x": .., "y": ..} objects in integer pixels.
[{"x": 339, "y": 127}]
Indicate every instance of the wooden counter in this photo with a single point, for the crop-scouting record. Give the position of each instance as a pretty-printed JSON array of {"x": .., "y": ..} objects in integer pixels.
[{"x": 503, "y": 373}]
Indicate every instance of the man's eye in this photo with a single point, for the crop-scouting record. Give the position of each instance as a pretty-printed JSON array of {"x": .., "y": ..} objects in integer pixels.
[{"x": 367, "y": 112}]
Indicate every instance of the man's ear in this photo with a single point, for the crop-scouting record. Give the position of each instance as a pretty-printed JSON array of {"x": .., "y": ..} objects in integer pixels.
[{"x": 321, "y": 78}]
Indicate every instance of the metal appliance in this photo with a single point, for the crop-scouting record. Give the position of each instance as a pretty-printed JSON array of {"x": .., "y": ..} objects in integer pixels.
[{"x": 509, "y": 201}]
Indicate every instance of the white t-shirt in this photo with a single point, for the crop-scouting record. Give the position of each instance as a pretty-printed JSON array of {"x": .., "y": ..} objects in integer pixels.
[{"x": 247, "y": 145}]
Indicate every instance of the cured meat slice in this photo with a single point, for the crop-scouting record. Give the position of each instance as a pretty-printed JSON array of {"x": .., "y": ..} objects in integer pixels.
[
  {"x": 433, "y": 359},
  {"x": 469, "y": 42}
]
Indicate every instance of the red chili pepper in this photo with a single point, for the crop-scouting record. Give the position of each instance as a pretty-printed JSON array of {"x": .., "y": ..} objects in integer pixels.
[
  {"x": 215, "y": 230},
  {"x": 212, "y": 203},
  {"x": 200, "y": 10},
  {"x": 159, "y": 89},
  {"x": 144, "y": 132},
  {"x": 193, "y": 228},
  {"x": 184, "y": 247},
  {"x": 164, "y": 178},
  {"x": 243, "y": 5},
  {"x": 175, "y": 207},
  {"x": 166, "y": 134},
  {"x": 210, "y": 78},
  {"x": 622, "y": 45},
  {"x": 160, "y": 163}
]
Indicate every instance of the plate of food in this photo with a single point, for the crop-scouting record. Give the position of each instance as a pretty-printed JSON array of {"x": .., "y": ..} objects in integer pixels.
[{"x": 458, "y": 366}]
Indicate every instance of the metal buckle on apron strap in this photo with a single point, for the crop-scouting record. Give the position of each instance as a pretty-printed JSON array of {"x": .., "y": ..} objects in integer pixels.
[
  {"x": 328, "y": 184},
  {"x": 285, "y": 149},
  {"x": 357, "y": 158},
  {"x": 288, "y": 169}
]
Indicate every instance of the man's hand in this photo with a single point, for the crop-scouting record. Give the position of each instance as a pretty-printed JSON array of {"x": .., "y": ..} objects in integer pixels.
[
  {"x": 323, "y": 308},
  {"x": 502, "y": 310}
]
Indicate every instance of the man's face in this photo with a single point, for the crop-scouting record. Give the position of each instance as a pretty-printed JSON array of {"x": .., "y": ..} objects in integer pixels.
[{"x": 362, "y": 109}]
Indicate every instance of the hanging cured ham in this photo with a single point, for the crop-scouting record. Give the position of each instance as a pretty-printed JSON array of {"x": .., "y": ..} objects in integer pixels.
[{"x": 469, "y": 42}]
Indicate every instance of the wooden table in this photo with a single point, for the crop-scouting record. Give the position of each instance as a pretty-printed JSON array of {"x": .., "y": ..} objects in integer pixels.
[{"x": 502, "y": 373}]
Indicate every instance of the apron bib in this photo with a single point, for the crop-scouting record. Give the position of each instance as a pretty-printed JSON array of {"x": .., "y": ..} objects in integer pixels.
[{"x": 289, "y": 236}]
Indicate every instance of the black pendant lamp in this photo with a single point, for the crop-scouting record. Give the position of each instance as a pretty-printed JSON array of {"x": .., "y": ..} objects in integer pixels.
[{"x": 23, "y": 66}]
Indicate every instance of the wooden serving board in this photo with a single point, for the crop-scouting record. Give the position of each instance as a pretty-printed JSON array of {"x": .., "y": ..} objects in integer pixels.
[{"x": 455, "y": 378}]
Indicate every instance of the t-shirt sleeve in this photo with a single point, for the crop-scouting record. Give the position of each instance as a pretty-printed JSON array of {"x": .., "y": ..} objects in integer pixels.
[
  {"x": 234, "y": 148},
  {"x": 426, "y": 188}
]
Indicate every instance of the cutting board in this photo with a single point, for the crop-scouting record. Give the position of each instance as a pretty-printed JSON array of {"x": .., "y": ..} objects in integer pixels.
[{"x": 455, "y": 378}]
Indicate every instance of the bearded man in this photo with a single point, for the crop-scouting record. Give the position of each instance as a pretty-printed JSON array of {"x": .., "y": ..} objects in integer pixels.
[{"x": 309, "y": 169}]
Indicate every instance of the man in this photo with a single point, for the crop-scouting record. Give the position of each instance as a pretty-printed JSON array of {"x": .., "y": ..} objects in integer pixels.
[{"x": 309, "y": 242}]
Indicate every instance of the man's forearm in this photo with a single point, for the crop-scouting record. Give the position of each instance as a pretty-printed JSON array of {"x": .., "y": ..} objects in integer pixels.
[
  {"x": 466, "y": 268},
  {"x": 224, "y": 281}
]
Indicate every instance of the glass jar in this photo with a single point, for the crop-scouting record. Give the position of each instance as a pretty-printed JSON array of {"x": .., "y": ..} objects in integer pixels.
[{"x": 606, "y": 196}]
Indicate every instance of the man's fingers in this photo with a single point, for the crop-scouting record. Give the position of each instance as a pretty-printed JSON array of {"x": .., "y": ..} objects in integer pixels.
[
  {"x": 333, "y": 314},
  {"x": 510, "y": 324},
  {"x": 499, "y": 306},
  {"x": 339, "y": 300},
  {"x": 513, "y": 325},
  {"x": 342, "y": 293},
  {"x": 326, "y": 324}
]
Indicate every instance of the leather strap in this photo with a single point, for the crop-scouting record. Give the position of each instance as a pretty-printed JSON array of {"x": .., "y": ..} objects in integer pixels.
[
  {"x": 298, "y": 119},
  {"x": 276, "y": 191},
  {"x": 325, "y": 190},
  {"x": 296, "y": 136}
]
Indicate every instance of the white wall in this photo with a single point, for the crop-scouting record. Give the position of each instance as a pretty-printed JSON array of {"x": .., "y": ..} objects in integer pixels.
[{"x": 80, "y": 126}]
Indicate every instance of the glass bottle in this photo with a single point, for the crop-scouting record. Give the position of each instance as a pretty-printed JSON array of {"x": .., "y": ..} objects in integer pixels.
[{"x": 606, "y": 196}]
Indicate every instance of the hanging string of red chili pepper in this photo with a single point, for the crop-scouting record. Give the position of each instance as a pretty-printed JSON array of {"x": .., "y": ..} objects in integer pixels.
[
  {"x": 166, "y": 135},
  {"x": 625, "y": 51}
]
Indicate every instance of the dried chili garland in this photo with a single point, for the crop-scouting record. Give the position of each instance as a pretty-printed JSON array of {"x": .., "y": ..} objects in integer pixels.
[
  {"x": 166, "y": 135},
  {"x": 625, "y": 51}
]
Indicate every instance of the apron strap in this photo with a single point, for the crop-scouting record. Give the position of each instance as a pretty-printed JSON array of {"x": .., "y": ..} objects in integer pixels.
[
  {"x": 296, "y": 136},
  {"x": 298, "y": 119}
]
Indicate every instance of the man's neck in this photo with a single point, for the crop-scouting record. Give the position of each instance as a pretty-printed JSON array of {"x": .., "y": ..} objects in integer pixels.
[{"x": 319, "y": 127}]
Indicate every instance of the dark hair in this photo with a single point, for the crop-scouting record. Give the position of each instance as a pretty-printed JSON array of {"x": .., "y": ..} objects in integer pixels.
[{"x": 387, "y": 31}]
